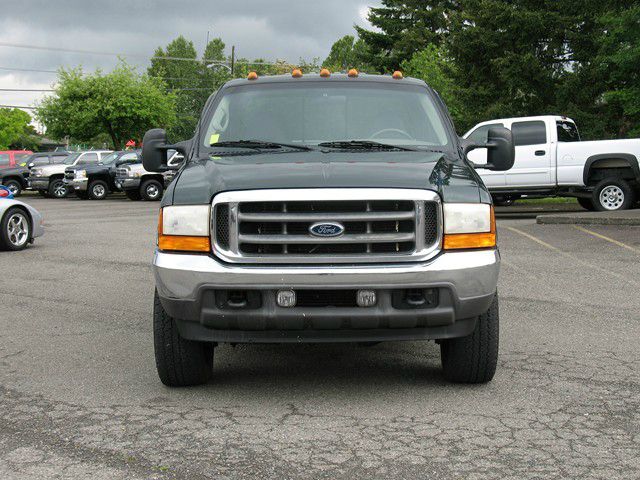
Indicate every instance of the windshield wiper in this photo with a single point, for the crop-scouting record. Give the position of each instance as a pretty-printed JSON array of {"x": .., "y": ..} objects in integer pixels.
[
  {"x": 364, "y": 145},
  {"x": 259, "y": 145}
]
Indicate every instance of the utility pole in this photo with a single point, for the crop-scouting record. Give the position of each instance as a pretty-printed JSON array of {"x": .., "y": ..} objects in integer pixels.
[{"x": 233, "y": 58}]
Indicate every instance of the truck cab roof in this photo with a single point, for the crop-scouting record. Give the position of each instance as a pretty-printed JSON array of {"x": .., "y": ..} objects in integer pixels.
[{"x": 334, "y": 77}]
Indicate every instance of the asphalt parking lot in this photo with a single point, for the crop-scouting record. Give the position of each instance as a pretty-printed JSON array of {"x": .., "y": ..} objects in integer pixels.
[{"x": 80, "y": 397}]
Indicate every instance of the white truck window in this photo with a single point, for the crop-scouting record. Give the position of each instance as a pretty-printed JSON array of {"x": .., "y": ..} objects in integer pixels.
[
  {"x": 529, "y": 133},
  {"x": 567, "y": 131}
]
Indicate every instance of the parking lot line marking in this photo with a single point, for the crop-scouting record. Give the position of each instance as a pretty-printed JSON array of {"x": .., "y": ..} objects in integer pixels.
[
  {"x": 535, "y": 239},
  {"x": 573, "y": 257},
  {"x": 608, "y": 239}
]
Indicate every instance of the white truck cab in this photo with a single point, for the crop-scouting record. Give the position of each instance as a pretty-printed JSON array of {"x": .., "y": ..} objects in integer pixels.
[{"x": 551, "y": 160}]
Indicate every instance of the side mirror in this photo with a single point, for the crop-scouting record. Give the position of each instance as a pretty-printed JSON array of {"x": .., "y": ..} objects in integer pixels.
[
  {"x": 501, "y": 152},
  {"x": 154, "y": 150}
]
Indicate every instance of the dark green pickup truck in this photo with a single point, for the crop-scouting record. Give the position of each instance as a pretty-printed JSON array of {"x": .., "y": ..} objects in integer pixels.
[{"x": 326, "y": 208}]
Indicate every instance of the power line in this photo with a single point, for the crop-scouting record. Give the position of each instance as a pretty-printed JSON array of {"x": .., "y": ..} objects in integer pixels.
[
  {"x": 140, "y": 55},
  {"x": 26, "y": 90},
  {"x": 17, "y": 106}
]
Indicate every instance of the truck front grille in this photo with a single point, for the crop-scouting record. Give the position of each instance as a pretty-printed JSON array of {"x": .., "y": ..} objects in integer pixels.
[
  {"x": 122, "y": 172},
  {"x": 275, "y": 226}
]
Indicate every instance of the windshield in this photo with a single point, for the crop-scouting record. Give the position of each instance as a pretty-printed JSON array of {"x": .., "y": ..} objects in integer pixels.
[
  {"x": 110, "y": 158},
  {"x": 71, "y": 158},
  {"x": 313, "y": 113}
]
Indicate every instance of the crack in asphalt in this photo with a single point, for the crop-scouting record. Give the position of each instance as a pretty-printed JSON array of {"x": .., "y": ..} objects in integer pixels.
[{"x": 594, "y": 434}]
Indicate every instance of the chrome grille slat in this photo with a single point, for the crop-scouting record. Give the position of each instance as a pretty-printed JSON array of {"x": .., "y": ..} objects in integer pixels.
[
  {"x": 316, "y": 217},
  {"x": 302, "y": 239},
  {"x": 272, "y": 226}
]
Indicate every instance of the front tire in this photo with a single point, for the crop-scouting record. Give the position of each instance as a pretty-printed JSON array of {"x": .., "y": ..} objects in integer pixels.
[
  {"x": 57, "y": 189},
  {"x": 613, "y": 194},
  {"x": 179, "y": 362},
  {"x": 151, "y": 190},
  {"x": 98, "y": 190},
  {"x": 15, "y": 230},
  {"x": 473, "y": 359},
  {"x": 14, "y": 187}
]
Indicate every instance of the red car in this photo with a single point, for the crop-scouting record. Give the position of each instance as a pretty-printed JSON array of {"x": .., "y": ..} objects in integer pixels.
[{"x": 13, "y": 158}]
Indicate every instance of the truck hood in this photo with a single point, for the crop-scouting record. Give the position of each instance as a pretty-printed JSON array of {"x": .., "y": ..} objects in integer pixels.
[
  {"x": 200, "y": 180},
  {"x": 52, "y": 169}
]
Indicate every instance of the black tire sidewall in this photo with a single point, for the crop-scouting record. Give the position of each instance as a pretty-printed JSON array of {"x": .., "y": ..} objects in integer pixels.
[
  {"x": 92, "y": 185},
  {"x": 145, "y": 185},
  {"x": 17, "y": 184},
  {"x": 629, "y": 194},
  {"x": 52, "y": 188},
  {"x": 5, "y": 244}
]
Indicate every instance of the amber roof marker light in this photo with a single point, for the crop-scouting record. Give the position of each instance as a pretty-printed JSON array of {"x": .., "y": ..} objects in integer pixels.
[
  {"x": 297, "y": 73},
  {"x": 397, "y": 75},
  {"x": 353, "y": 73},
  {"x": 252, "y": 76},
  {"x": 324, "y": 73}
]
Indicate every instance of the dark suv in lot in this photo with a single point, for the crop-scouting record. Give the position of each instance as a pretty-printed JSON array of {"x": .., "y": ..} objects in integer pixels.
[
  {"x": 326, "y": 208},
  {"x": 97, "y": 181}
]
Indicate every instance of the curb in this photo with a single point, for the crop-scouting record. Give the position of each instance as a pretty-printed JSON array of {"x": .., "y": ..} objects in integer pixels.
[{"x": 595, "y": 218}]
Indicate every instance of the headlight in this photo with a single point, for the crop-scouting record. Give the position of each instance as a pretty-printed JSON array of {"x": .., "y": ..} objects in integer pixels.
[
  {"x": 136, "y": 175},
  {"x": 81, "y": 174},
  {"x": 469, "y": 225},
  {"x": 184, "y": 228}
]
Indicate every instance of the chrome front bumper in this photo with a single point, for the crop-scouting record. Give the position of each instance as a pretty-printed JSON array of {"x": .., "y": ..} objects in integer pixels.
[
  {"x": 38, "y": 183},
  {"x": 186, "y": 284}
]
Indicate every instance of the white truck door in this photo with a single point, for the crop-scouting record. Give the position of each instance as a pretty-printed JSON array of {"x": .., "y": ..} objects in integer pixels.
[
  {"x": 479, "y": 156},
  {"x": 532, "y": 167}
]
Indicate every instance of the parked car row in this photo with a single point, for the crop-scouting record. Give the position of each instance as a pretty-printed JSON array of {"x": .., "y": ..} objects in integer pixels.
[{"x": 90, "y": 174}]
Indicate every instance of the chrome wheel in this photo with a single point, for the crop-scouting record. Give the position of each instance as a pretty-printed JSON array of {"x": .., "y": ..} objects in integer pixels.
[
  {"x": 611, "y": 197},
  {"x": 152, "y": 191},
  {"x": 98, "y": 190},
  {"x": 13, "y": 188},
  {"x": 59, "y": 190},
  {"x": 18, "y": 229}
]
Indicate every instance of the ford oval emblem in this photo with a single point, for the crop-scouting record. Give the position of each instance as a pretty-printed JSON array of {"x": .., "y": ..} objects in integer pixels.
[{"x": 326, "y": 229}]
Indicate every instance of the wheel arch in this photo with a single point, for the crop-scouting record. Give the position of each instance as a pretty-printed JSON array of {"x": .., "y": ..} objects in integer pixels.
[{"x": 611, "y": 160}]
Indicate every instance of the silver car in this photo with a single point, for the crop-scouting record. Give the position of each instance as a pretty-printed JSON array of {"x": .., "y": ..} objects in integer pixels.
[{"x": 19, "y": 224}]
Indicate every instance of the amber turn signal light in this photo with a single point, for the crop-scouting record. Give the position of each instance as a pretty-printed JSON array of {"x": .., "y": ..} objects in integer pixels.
[
  {"x": 297, "y": 73},
  {"x": 397, "y": 75},
  {"x": 325, "y": 73},
  {"x": 353, "y": 73},
  {"x": 252, "y": 76},
  {"x": 459, "y": 241},
  {"x": 180, "y": 243}
]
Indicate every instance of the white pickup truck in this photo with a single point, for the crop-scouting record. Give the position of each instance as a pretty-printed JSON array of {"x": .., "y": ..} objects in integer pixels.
[{"x": 551, "y": 160}]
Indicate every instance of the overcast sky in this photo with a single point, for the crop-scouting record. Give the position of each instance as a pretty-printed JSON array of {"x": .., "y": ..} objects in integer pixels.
[{"x": 283, "y": 29}]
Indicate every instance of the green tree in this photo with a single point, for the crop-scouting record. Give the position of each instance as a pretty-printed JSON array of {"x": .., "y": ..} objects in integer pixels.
[
  {"x": 14, "y": 124},
  {"x": 436, "y": 68},
  {"x": 346, "y": 53},
  {"x": 122, "y": 104},
  {"x": 404, "y": 27},
  {"x": 182, "y": 78},
  {"x": 510, "y": 56},
  {"x": 618, "y": 61}
]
